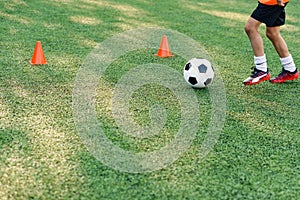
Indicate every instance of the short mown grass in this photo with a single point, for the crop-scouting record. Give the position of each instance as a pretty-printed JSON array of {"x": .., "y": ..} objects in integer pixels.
[{"x": 41, "y": 154}]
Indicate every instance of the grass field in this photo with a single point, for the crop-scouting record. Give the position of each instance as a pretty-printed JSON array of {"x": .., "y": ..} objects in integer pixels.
[{"x": 257, "y": 155}]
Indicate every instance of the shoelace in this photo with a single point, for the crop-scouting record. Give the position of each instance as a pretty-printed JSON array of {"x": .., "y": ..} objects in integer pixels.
[
  {"x": 255, "y": 71},
  {"x": 284, "y": 73},
  {"x": 281, "y": 73}
]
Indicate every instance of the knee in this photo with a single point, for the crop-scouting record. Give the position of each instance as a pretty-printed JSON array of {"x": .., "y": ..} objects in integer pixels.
[
  {"x": 249, "y": 29},
  {"x": 272, "y": 34}
]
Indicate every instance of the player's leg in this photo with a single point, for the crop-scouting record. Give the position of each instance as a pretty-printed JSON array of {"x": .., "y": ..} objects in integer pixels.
[
  {"x": 273, "y": 33},
  {"x": 260, "y": 72},
  {"x": 251, "y": 28},
  {"x": 289, "y": 71}
]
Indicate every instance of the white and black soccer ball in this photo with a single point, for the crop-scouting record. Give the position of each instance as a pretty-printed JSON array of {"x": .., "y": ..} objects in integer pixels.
[{"x": 198, "y": 73}]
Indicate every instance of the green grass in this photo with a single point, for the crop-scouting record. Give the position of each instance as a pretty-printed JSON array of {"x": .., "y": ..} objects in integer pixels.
[{"x": 41, "y": 154}]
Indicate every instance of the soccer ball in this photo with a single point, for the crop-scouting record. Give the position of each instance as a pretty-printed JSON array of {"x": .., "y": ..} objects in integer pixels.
[{"x": 198, "y": 73}]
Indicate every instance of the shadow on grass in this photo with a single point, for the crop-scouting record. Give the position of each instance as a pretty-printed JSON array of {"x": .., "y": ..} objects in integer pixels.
[{"x": 9, "y": 137}]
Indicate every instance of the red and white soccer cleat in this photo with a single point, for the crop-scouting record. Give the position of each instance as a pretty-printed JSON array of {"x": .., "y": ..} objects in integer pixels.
[
  {"x": 285, "y": 76},
  {"x": 257, "y": 77}
]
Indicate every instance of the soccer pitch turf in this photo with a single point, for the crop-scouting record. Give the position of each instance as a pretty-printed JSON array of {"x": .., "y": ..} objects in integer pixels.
[{"x": 254, "y": 148}]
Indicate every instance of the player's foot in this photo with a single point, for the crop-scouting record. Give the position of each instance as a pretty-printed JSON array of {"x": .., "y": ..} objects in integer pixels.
[
  {"x": 257, "y": 77},
  {"x": 285, "y": 76}
]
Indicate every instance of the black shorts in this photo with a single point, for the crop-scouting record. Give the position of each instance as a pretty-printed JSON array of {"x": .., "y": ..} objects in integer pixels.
[{"x": 270, "y": 15}]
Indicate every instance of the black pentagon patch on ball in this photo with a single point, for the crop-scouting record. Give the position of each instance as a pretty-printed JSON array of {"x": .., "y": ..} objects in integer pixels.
[
  {"x": 208, "y": 81},
  {"x": 193, "y": 80},
  {"x": 202, "y": 68},
  {"x": 187, "y": 66}
]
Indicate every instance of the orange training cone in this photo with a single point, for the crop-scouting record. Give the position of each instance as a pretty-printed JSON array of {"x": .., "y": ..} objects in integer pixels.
[
  {"x": 38, "y": 57},
  {"x": 164, "y": 49}
]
